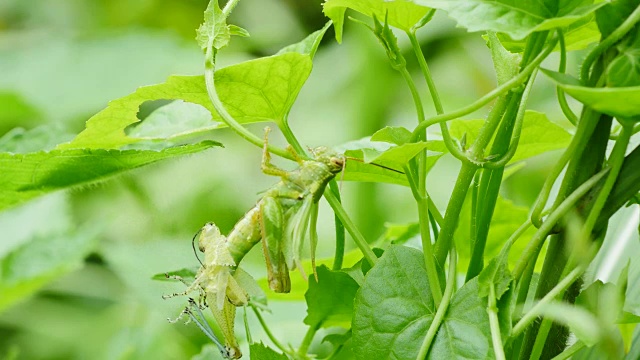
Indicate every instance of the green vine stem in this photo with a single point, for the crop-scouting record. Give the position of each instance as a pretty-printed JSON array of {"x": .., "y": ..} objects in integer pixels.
[
  {"x": 445, "y": 240},
  {"x": 541, "y": 338},
  {"x": 535, "y": 311},
  {"x": 437, "y": 103},
  {"x": 267, "y": 331},
  {"x": 494, "y": 325},
  {"x": 583, "y": 133},
  {"x": 465, "y": 176},
  {"x": 562, "y": 100},
  {"x": 500, "y": 90},
  {"x": 442, "y": 309},
  {"x": 536, "y": 240},
  {"x": 245, "y": 322},
  {"x": 615, "y": 163},
  {"x": 423, "y": 214},
  {"x": 570, "y": 351},
  {"x": 506, "y": 140},
  {"x": 308, "y": 338},
  {"x": 503, "y": 160},
  {"x": 616, "y": 35},
  {"x": 419, "y": 190},
  {"x": 224, "y": 114},
  {"x": 338, "y": 257},
  {"x": 351, "y": 228}
]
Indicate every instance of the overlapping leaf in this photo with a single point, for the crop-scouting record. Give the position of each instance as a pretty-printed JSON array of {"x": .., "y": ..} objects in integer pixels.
[
  {"x": 26, "y": 176},
  {"x": 464, "y": 333},
  {"x": 263, "y": 89},
  {"x": 383, "y": 161},
  {"x": 515, "y": 18},
  {"x": 402, "y": 14},
  {"x": 394, "y": 309},
  {"x": 330, "y": 299},
  {"x": 621, "y": 102},
  {"x": 259, "y": 351},
  {"x": 29, "y": 267}
]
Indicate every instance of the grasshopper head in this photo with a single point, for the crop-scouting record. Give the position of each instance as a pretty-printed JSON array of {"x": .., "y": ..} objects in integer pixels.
[{"x": 329, "y": 157}]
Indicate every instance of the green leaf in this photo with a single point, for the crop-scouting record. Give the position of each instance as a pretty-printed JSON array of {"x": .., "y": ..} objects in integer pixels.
[
  {"x": 634, "y": 351},
  {"x": 389, "y": 42},
  {"x": 496, "y": 274},
  {"x": 613, "y": 14},
  {"x": 299, "y": 284},
  {"x": 513, "y": 17},
  {"x": 173, "y": 121},
  {"x": 465, "y": 333},
  {"x": 258, "y": 90},
  {"x": 621, "y": 102},
  {"x": 505, "y": 63},
  {"x": 330, "y": 299},
  {"x": 238, "y": 31},
  {"x": 402, "y": 14},
  {"x": 383, "y": 162},
  {"x": 604, "y": 300},
  {"x": 538, "y": 135},
  {"x": 632, "y": 295},
  {"x": 624, "y": 70},
  {"x": 361, "y": 268},
  {"x": 213, "y": 28},
  {"x": 26, "y": 176},
  {"x": 577, "y": 36},
  {"x": 393, "y": 135},
  {"x": 15, "y": 109},
  {"x": 48, "y": 256},
  {"x": 21, "y": 141},
  {"x": 399, "y": 234},
  {"x": 393, "y": 308},
  {"x": 186, "y": 273},
  {"x": 582, "y": 323},
  {"x": 261, "y": 352},
  {"x": 308, "y": 45},
  {"x": 358, "y": 171}
]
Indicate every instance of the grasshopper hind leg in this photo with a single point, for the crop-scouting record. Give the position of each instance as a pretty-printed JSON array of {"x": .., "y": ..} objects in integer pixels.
[{"x": 272, "y": 229}]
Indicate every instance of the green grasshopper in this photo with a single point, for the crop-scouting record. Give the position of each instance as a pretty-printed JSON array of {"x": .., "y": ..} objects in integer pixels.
[{"x": 280, "y": 219}]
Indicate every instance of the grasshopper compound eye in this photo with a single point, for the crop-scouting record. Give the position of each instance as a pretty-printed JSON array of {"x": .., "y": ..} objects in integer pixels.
[{"x": 337, "y": 164}]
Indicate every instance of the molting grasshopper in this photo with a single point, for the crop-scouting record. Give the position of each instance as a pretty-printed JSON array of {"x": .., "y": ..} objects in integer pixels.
[{"x": 280, "y": 219}]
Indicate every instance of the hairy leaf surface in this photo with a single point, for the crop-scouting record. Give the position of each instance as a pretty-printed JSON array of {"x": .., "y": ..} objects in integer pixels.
[{"x": 26, "y": 176}]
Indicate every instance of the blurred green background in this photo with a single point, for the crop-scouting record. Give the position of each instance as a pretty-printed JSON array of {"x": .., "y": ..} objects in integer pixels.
[{"x": 62, "y": 60}]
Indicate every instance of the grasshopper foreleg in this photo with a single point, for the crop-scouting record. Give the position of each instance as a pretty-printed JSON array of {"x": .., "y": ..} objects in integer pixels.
[{"x": 267, "y": 167}]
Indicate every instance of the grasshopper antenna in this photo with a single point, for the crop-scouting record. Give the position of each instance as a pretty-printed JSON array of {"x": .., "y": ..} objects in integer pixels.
[
  {"x": 193, "y": 245},
  {"x": 374, "y": 164}
]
